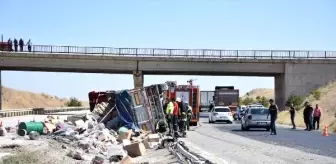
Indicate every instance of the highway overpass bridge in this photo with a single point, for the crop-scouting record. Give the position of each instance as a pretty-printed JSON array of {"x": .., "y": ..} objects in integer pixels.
[{"x": 295, "y": 72}]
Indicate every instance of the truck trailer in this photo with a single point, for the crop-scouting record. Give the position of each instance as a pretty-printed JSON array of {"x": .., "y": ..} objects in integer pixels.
[{"x": 227, "y": 96}]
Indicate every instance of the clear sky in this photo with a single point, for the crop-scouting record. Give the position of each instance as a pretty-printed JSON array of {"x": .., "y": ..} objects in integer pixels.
[{"x": 222, "y": 24}]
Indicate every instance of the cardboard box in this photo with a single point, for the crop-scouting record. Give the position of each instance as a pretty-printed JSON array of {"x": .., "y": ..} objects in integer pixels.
[
  {"x": 126, "y": 160},
  {"x": 135, "y": 149},
  {"x": 125, "y": 135},
  {"x": 153, "y": 138}
]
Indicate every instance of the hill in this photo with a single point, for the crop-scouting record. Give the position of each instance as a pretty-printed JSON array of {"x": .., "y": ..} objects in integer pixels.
[
  {"x": 326, "y": 102},
  {"x": 268, "y": 93},
  {"x": 18, "y": 99}
]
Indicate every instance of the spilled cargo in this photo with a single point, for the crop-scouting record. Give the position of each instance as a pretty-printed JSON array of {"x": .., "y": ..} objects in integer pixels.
[{"x": 135, "y": 109}]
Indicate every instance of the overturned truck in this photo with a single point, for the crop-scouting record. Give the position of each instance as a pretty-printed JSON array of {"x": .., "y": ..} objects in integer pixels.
[{"x": 135, "y": 109}]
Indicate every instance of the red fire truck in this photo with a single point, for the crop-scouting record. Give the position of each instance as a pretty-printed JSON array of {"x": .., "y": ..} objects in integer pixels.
[{"x": 187, "y": 93}]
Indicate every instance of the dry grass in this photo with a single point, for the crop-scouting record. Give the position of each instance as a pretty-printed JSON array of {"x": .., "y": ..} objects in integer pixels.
[
  {"x": 327, "y": 103},
  {"x": 21, "y": 158},
  {"x": 17, "y": 99},
  {"x": 47, "y": 152},
  {"x": 268, "y": 93}
]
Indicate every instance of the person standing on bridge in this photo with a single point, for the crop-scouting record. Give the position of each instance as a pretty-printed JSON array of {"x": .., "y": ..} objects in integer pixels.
[
  {"x": 10, "y": 44},
  {"x": 29, "y": 44},
  {"x": 316, "y": 117},
  {"x": 273, "y": 111},
  {"x": 15, "y": 45},
  {"x": 292, "y": 115},
  {"x": 21, "y": 44}
]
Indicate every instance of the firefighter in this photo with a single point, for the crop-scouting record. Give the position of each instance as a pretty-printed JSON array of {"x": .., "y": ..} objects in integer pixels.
[
  {"x": 183, "y": 116},
  {"x": 169, "y": 112},
  {"x": 175, "y": 116},
  {"x": 189, "y": 115}
]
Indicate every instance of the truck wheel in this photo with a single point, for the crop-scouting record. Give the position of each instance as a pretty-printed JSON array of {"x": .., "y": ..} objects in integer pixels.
[{"x": 210, "y": 121}]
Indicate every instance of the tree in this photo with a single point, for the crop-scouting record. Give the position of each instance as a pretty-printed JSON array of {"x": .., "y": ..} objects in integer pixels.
[
  {"x": 258, "y": 99},
  {"x": 263, "y": 100},
  {"x": 240, "y": 101},
  {"x": 73, "y": 102},
  {"x": 248, "y": 100},
  {"x": 295, "y": 100}
]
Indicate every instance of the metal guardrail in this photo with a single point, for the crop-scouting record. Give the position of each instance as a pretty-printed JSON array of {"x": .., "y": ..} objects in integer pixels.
[
  {"x": 184, "y": 155},
  {"x": 37, "y": 111},
  {"x": 191, "y": 53}
]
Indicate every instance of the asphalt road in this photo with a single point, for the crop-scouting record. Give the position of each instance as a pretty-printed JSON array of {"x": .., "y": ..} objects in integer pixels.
[{"x": 228, "y": 142}]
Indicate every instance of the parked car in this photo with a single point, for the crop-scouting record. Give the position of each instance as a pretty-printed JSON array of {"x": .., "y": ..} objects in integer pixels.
[
  {"x": 220, "y": 114},
  {"x": 255, "y": 106},
  {"x": 256, "y": 118}
]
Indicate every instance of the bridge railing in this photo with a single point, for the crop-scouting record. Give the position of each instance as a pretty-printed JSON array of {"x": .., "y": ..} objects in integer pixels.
[
  {"x": 39, "y": 111},
  {"x": 191, "y": 53}
]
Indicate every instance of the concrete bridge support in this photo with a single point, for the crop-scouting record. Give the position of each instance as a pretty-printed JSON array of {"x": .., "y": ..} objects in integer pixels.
[
  {"x": 138, "y": 79},
  {"x": 279, "y": 91},
  {"x": 301, "y": 78}
]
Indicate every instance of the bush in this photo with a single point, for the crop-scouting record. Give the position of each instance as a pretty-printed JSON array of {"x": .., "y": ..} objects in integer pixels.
[
  {"x": 73, "y": 102},
  {"x": 263, "y": 100},
  {"x": 248, "y": 100},
  {"x": 240, "y": 101},
  {"x": 316, "y": 94},
  {"x": 296, "y": 100}
]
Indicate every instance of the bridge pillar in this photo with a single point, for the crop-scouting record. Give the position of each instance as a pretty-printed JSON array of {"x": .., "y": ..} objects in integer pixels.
[
  {"x": 279, "y": 91},
  {"x": 138, "y": 79},
  {"x": 301, "y": 78}
]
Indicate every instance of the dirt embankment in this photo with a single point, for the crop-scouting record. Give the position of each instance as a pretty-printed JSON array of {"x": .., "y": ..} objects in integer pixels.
[
  {"x": 327, "y": 104},
  {"x": 18, "y": 99},
  {"x": 268, "y": 93}
]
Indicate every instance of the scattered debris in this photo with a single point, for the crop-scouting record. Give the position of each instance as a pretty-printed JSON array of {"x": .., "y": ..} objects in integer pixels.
[{"x": 112, "y": 132}]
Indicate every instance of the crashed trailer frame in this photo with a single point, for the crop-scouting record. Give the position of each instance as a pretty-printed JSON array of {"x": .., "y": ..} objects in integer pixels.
[{"x": 148, "y": 107}]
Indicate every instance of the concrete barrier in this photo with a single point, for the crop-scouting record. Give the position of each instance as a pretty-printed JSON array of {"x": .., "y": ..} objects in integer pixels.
[{"x": 39, "y": 111}]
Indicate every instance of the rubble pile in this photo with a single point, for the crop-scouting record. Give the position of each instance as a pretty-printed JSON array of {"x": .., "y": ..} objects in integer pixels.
[
  {"x": 89, "y": 140},
  {"x": 121, "y": 125}
]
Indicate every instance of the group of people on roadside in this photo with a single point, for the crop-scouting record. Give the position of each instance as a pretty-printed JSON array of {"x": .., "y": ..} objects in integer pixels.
[
  {"x": 311, "y": 116},
  {"x": 18, "y": 44},
  {"x": 178, "y": 115}
]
